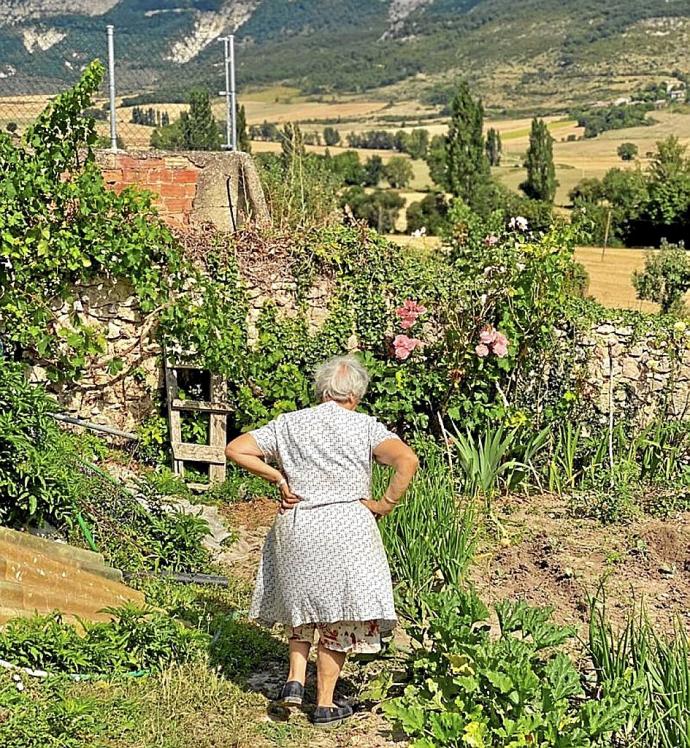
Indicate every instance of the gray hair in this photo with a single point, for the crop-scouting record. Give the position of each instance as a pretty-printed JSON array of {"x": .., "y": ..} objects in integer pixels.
[{"x": 340, "y": 379}]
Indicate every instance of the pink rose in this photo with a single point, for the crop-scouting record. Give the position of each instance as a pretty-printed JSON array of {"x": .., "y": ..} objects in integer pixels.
[
  {"x": 491, "y": 240},
  {"x": 482, "y": 350},
  {"x": 501, "y": 340},
  {"x": 403, "y": 346},
  {"x": 408, "y": 313},
  {"x": 487, "y": 335},
  {"x": 500, "y": 350}
]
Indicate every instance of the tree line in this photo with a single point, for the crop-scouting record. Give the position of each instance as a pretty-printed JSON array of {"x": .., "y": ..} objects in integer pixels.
[{"x": 149, "y": 117}]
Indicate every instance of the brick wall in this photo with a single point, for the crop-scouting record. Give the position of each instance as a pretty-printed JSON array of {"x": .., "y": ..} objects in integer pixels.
[
  {"x": 192, "y": 188},
  {"x": 173, "y": 179}
]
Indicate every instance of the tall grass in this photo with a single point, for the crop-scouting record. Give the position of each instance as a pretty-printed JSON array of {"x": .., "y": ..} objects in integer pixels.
[
  {"x": 430, "y": 537},
  {"x": 653, "y": 671}
]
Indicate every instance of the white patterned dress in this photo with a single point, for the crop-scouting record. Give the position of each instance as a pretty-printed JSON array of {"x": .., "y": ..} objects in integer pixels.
[{"x": 324, "y": 561}]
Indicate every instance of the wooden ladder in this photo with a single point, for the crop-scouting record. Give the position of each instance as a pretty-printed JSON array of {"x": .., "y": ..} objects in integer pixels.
[{"x": 212, "y": 453}]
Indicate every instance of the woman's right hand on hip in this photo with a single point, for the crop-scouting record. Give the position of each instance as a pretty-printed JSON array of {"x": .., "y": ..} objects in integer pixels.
[{"x": 377, "y": 508}]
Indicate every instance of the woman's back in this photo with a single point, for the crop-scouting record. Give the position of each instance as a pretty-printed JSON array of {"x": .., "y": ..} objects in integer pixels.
[{"x": 325, "y": 452}]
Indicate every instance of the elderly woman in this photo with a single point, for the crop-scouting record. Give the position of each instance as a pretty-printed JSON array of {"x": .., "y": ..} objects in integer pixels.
[{"x": 323, "y": 569}]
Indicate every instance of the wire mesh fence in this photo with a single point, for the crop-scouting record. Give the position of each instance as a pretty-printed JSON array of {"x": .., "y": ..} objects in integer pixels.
[{"x": 156, "y": 81}]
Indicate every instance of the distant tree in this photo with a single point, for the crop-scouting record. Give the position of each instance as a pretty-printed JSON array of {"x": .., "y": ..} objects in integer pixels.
[
  {"x": 331, "y": 136},
  {"x": 541, "y": 181},
  {"x": 669, "y": 184},
  {"x": 168, "y": 137},
  {"x": 665, "y": 278},
  {"x": 436, "y": 161},
  {"x": 398, "y": 171},
  {"x": 417, "y": 143},
  {"x": 430, "y": 213},
  {"x": 380, "y": 208},
  {"x": 104, "y": 141},
  {"x": 627, "y": 151},
  {"x": 373, "y": 171},
  {"x": 494, "y": 147},
  {"x": 378, "y": 139},
  {"x": 198, "y": 126},
  {"x": 467, "y": 168},
  {"x": 265, "y": 131},
  {"x": 243, "y": 141},
  {"x": 348, "y": 168}
]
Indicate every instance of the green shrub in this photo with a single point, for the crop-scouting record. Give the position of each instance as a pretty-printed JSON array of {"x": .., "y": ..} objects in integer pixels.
[
  {"x": 39, "y": 463},
  {"x": 666, "y": 277}
]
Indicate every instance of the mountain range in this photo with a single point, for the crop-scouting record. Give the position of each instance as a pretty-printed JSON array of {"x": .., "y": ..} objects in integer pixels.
[{"x": 518, "y": 51}]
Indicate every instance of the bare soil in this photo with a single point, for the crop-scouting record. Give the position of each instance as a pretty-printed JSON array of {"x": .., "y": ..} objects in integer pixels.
[{"x": 551, "y": 559}]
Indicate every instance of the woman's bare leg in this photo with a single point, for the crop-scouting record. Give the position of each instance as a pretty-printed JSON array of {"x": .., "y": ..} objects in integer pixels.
[
  {"x": 329, "y": 663},
  {"x": 299, "y": 656}
]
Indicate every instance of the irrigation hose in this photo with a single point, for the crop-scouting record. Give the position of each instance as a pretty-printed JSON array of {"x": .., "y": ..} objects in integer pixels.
[{"x": 33, "y": 673}]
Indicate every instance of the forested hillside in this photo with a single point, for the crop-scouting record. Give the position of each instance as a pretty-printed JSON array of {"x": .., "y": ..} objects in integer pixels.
[{"x": 517, "y": 50}]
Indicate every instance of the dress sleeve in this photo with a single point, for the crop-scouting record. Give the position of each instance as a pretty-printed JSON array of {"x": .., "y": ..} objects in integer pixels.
[
  {"x": 266, "y": 438},
  {"x": 379, "y": 433}
]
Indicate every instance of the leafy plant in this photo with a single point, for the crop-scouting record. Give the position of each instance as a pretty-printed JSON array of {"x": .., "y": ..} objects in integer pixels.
[
  {"x": 430, "y": 538},
  {"x": 39, "y": 475},
  {"x": 520, "y": 689},
  {"x": 135, "y": 639}
]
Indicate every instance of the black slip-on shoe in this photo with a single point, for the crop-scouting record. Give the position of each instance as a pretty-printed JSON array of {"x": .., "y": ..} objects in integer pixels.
[
  {"x": 291, "y": 694},
  {"x": 331, "y": 716}
]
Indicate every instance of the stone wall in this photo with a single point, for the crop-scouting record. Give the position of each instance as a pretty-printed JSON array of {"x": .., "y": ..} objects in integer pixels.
[
  {"x": 123, "y": 399},
  {"x": 644, "y": 375}
]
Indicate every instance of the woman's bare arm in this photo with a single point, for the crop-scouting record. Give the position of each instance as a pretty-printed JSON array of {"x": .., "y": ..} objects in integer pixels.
[
  {"x": 245, "y": 452},
  {"x": 404, "y": 461}
]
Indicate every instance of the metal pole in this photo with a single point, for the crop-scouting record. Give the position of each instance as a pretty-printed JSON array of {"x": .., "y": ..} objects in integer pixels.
[
  {"x": 111, "y": 86},
  {"x": 230, "y": 93},
  {"x": 94, "y": 426},
  {"x": 233, "y": 93}
]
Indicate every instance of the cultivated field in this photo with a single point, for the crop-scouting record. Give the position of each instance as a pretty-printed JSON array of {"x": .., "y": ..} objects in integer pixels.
[{"x": 610, "y": 271}]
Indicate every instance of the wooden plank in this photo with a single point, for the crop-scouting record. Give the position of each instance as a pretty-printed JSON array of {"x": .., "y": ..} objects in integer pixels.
[
  {"x": 174, "y": 421},
  {"x": 218, "y": 427},
  {"x": 202, "y": 405},
  {"x": 199, "y": 453}
]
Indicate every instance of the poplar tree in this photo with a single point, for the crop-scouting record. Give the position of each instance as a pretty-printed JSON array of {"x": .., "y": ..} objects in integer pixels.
[
  {"x": 494, "y": 147},
  {"x": 467, "y": 167},
  {"x": 541, "y": 181}
]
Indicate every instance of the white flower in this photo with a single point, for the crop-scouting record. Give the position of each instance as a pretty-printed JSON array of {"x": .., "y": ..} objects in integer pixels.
[
  {"x": 519, "y": 222},
  {"x": 520, "y": 266}
]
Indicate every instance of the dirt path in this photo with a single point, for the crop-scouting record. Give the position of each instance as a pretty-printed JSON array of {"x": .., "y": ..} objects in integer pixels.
[{"x": 278, "y": 727}]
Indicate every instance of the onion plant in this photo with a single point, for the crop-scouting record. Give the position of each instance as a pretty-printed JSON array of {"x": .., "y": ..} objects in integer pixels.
[
  {"x": 655, "y": 670},
  {"x": 430, "y": 537}
]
